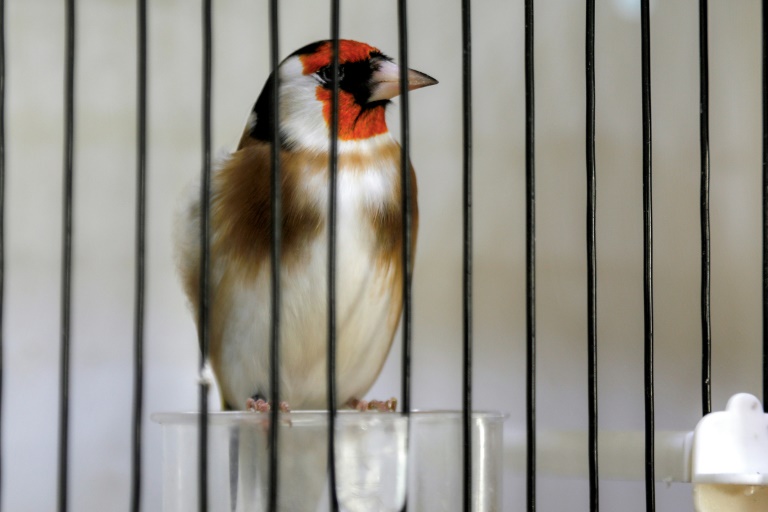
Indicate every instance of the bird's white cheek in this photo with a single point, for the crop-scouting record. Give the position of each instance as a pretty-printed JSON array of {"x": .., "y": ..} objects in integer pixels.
[
  {"x": 302, "y": 121},
  {"x": 252, "y": 120},
  {"x": 291, "y": 69}
]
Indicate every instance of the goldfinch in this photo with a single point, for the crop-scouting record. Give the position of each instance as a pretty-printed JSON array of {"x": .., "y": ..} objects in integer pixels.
[{"x": 369, "y": 233}]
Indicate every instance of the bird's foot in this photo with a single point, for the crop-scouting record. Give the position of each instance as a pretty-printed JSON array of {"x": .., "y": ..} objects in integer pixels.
[
  {"x": 256, "y": 404},
  {"x": 373, "y": 405}
]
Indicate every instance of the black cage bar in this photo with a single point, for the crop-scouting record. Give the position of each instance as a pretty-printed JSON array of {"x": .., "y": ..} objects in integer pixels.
[
  {"x": 594, "y": 488},
  {"x": 407, "y": 192},
  {"x": 650, "y": 481},
  {"x": 141, "y": 237},
  {"x": 205, "y": 260},
  {"x": 706, "y": 322},
  {"x": 2, "y": 223},
  {"x": 466, "y": 67},
  {"x": 66, "y": 258},
  {"x": 765, "y": 200},
  {"x": 530, "y": 261},
  {"x": 467, "y": 270},
  {"x": 276, "y": 307},
  {"x": 333, "y": 167},
  {"x": 405, "y": 136}
]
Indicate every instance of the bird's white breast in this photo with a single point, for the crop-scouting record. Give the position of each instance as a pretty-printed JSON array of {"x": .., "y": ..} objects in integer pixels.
[{"x": 366, "y": 294}]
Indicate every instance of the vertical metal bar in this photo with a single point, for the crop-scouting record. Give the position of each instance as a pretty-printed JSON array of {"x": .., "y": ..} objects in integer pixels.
[
  {"x": 66, "y": 258},
  {"x": 405, "y": 180},
  {"x": 2, "y": 219},
  {"x": 706, "y": 323},
  {"x": 405, "y": 184},
  {"x": 205, "y": 249},
  {"x": 141, "y": 205},
  {"x": 650, "y": 490},
  {"x": 530, "y": 262},
  {"x": 467, "y": 248},
  {"x": 333, "y": 166},
  {"x": 765, "y": 203},
  {"x": 275, "y": 190},
  {"x": 594, "y": 482}
]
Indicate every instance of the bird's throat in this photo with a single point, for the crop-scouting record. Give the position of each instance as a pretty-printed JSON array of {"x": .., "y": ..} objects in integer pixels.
[{"x": 355, "y": 121}]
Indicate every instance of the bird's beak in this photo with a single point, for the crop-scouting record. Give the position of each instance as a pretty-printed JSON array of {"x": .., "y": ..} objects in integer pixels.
[{"x": 385, "y": 81}]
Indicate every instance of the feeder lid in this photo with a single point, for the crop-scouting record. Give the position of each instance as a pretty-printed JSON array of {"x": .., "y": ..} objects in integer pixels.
[{"x": 731, "y": 447}]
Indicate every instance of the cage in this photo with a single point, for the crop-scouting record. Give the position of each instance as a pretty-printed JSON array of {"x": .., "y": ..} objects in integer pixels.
[{"x": 104, "y": 125}]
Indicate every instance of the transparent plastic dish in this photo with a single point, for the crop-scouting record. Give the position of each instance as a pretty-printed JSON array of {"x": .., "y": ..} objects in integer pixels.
[{"x": 376, "y": 462}]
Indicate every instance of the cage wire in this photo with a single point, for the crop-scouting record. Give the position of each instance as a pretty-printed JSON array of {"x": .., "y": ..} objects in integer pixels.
[
  {"x": 66, "y": 256},
  {"x": 2, "y": 211},
  {"x": 591, "y": 99},
  {"x": 205, "y": 259}
]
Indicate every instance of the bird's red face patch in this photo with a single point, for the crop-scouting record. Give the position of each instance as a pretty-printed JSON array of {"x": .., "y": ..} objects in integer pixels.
[
  {"x": 354, "y": 122},
  {"x": 349, "y": 51}
]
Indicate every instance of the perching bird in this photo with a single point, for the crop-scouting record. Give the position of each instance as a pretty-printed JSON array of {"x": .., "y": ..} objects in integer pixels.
[{"x": 369, "y": 233}]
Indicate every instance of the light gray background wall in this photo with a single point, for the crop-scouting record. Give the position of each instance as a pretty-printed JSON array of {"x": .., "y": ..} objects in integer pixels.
[{"x": 104, "y": 219}]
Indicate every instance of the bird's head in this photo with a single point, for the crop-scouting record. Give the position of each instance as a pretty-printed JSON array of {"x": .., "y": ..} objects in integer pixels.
[{"x": 368, "y": 79}]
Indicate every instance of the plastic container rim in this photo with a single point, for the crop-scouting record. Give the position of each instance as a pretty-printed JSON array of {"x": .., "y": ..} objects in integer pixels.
[{"x": 310, "y": 417}]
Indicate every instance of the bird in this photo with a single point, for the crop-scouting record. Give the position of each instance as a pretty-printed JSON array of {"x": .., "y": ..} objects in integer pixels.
[{"x": 369, "y": 233}]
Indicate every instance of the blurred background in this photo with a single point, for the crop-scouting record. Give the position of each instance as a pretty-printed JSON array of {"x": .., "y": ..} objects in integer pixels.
[{"x": 105, "y": 162}]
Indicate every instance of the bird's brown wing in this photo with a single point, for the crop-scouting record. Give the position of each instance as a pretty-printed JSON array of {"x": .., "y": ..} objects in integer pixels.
[{"x": 241, "y": 226}]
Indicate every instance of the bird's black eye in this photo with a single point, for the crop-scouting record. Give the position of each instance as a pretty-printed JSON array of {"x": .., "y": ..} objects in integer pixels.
[{"x": 326, "y": 74}]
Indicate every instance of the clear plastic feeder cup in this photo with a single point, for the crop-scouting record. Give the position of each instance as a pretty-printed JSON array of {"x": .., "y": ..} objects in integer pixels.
[{"x": 376, "y": 463}]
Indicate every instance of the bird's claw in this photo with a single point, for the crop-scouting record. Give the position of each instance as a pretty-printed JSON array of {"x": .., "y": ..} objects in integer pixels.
[
  {"x": 261, "y": 405},
  {"x": 373, "y": 405},
  {"x": 258, "y": 405}
]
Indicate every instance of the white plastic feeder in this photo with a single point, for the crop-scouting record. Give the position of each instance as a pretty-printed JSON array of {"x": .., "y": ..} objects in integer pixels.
[
  {"x": 730, "y": 458},
  {"x": 377, "y": 462}
]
